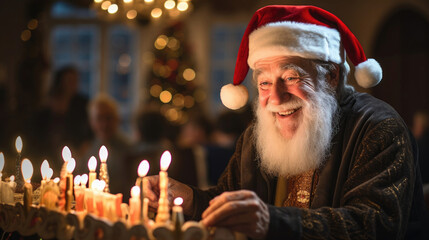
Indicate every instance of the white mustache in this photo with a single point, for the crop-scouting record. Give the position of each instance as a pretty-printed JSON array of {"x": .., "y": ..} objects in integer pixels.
[{"x": 293, "y": 103}]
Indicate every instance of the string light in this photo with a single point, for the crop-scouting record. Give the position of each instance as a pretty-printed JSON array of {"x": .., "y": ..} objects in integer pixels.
[{"x": 131, "y": 9}]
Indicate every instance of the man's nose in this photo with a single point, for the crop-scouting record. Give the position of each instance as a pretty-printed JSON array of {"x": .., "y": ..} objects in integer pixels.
[{"x": 279, "y": 93}]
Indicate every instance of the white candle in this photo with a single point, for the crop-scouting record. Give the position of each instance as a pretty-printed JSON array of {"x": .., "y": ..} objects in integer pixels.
[
  {"x": 69, "y": 184},
  {"x": 178, "y": 218},
  {"x": 27, "y": 173},
  {"x": 104, "y": 174},
  {"x": 99, "y": 185},
  {"x": 163, "y": 210},
  {"x": 79, "y": 193},
  {"x": 44, "y": 169},
  {"x": 92, "y": 165},
  {"x": 142, "y": 172},
  {"x": 18, "y": 146},
  {"x": 135, "y": 205}
]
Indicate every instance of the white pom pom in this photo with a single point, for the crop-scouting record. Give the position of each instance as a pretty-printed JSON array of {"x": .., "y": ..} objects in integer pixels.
[
  {"x": 368, "y": 73},
  {"x": 234, "y": 96}
]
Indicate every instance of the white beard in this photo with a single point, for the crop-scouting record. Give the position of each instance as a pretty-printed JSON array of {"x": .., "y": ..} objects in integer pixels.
[{"x": 309, "y": 146}]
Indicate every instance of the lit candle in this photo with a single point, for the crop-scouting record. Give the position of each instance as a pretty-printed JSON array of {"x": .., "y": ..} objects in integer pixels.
[
  {"x": 118, "y": 202},
  {"x": 163, "y": 210},
  {"x": 27, "y": 173},
  {"x": 69, "y": 184},
  {"x": 178, "y": 218},
  {"x": 92, "y": 165},
  {"x": 66, "y": 154},
  {"x": 18, "y": 146},
  {"x": 83, "y": 180},
  {"x": 44, "y": 169},
  {"x": 142, "y": 171},
  {"x": 1, "y": 170},
  {"x": 89, "y": 199},
  {"x": 1, "y": 164},
  {"x": 79, "y": 193},
  {"x": 145, "y": 209},
  {"x": 135, "y": 205},
  {"x": 98, "y": 186},
  {"x": 104, "y": 175}
]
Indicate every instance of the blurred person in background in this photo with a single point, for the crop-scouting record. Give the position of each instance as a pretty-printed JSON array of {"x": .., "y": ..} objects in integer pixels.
[
  {"x": 105, "y": 121},
  {"x": 62, "y": 121}
]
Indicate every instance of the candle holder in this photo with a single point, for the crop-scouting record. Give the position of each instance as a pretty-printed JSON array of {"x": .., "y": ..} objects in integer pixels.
[{"x": 104, "y": 174}]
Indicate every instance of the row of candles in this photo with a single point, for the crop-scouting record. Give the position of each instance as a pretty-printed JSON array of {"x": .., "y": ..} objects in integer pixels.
[{"x": 96, "y": 199}]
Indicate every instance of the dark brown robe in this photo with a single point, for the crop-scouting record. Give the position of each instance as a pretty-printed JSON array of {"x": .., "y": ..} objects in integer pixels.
[{"x": 366, "y": 189}]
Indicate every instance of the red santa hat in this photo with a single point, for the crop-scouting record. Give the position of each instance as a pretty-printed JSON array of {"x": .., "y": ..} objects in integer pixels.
[{"x": 304, "y": 31}]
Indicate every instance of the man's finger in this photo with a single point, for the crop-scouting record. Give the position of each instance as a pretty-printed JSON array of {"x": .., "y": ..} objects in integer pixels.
[
  {"x": 228, "y": 209},
  {"x": 220, "y": 200}
]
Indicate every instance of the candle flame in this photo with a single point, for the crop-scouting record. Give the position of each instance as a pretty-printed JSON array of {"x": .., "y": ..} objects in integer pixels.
[
  {"x": 165, "y": 160},
  {"x": 1, "y": 161},
  {"x": 18, "y": 144},
  {"x": 77, "y": 180},
  {"x": 143, "y": 168},
  {"x": 92, "y": 164},
  {"x": 56, "y": 180},
  {"x": 66, "y": 153},
  {"x": 44, "y": 169},
  {"x": 12, "y": 178},
  {"x": 95, "y": 184},
  {"x": 135, "y": 191},
  {"x": 71, "y": 164},
  {"x": 103, "y": 154},
  {"x": 84, "y": 179},
  {"x": 50, "y": 173},
  {"x": 178, "y": 201},
  {"x": 101, "y": 185},
  {"x": 27, "y": 169}
]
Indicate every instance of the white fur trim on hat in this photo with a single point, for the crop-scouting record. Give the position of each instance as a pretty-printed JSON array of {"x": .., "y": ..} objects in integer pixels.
[
  {"x": 295, "y": 39},
  {"x": 368, "y": 73},
  {"x": 234, "y": 96}
]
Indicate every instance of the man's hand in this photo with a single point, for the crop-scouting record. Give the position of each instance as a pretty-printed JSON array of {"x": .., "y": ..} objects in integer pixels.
[
  {"x": 242, "y": 211},
  {"x": 175, "y": 189}
]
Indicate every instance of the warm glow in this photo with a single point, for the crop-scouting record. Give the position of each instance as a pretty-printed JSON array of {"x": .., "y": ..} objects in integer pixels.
[
  {"x": 66, "y": 153},
  {"x": 32, "y": 24},
  {"x": 165, "y": 160},
  {"x": 25, "y": 35},
  {"x": 92, "y": 164},
  {"x": 156, "y": 12},
  {"x": 71, "y": 164},
  {"x": 148, "y": 1},
  {"x": 182, "y": 6},
  {"x": 44, "y": 169},
  {"x": 49, "y": 174},
  {"x": 143, "y": 168},
  {"x": 112, "y": 9},
  {"x": 169, "y": 4},
  {"x": 178, "y": 201},
  {"x": 1, "y": 161},
  {"x": 95, "y": 184},
  {"x": 131, "y": 14},
  {"x": 189, "y": 101},
  {"x": 161, "y": 42},
  {"x": 27, "y": 170},
  {"x": 77, "y": 180},
  {"x": 128, "y": 1},
  {"x": 105, "y": 5},
  {"x": 135, "y": 191},
  {"x": 56, "y": 180},
  {"x": 155, "y": 90},
  {"x": 101, "y": 185},
  {"x": 189, "y": 74},
  {"x": 172, "y": 114},
  {"x": 18, "y": 144},
  {"x": 103, "y": 154},
  {"x": 165, "y": 96},
  {"x": 84, "y": 179},
  {"x": 178, "y": 100},
  {"x": 12, "y": 178},
  {"x": 98, "y": 1}
]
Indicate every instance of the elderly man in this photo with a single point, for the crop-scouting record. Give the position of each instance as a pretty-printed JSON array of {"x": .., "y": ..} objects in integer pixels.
[{"x": 321, "y": 161}]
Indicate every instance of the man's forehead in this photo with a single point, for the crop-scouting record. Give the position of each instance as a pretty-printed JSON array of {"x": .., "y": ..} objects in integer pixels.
[{"x": 283, "y": 62}]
